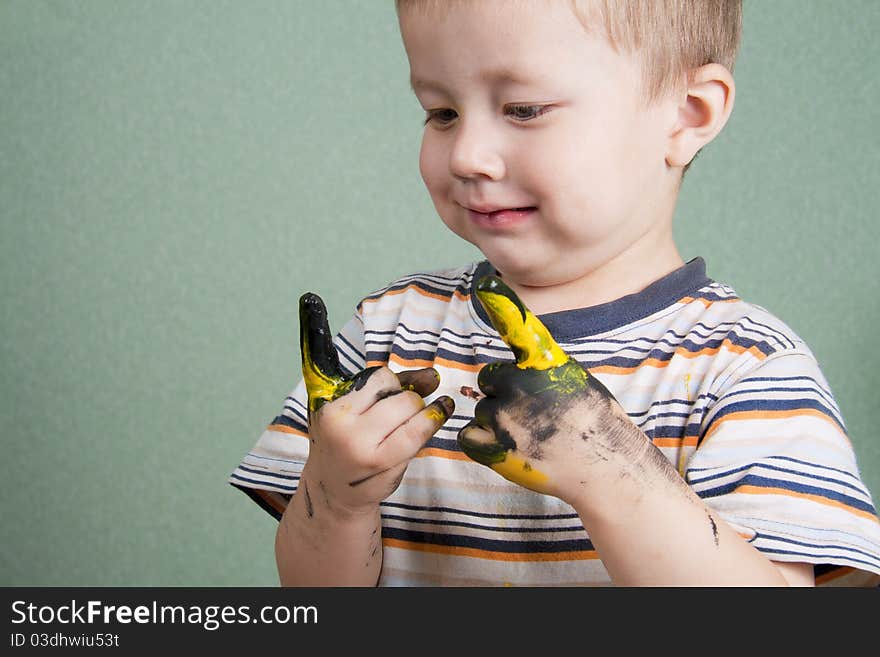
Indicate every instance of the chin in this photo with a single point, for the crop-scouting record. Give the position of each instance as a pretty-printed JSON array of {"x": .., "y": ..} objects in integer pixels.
[{"x": 518, "y": 270}]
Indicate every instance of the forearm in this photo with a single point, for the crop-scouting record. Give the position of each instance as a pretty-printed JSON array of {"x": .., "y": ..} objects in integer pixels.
[
  {"x": 318, "y": 544},
  {"x": 651, "y": 529}
]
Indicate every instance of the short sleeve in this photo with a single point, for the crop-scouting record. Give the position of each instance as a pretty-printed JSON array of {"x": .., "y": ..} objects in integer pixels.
[
  {"x": 274, "y": 464},
  {"x": 774, "y": 460}
]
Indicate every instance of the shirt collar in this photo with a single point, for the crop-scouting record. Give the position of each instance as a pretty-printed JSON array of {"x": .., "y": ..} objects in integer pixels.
[{"x": 568, "y": 325}]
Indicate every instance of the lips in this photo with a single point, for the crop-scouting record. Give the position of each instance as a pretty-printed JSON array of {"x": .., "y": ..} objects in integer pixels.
[
  {"x": 499, "y": 218},
  {"x": 491, "y": 209}
]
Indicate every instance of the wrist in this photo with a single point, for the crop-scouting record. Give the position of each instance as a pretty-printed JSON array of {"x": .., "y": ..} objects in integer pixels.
[
  {"x": 623, "y": 485},
  {"x": 320, "y": 500}
]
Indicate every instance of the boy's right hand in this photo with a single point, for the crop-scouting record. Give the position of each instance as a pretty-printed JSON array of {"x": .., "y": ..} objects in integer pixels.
[{"x": 363, "y": 429}]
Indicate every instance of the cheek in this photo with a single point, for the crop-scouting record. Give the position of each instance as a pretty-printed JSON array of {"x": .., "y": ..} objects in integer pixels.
[
  {"x": 435, "y": 174},
  {"x": 592, "y": 173},
  {"x": 565, "y": 165},
  {"x": 431, "y": 165}
]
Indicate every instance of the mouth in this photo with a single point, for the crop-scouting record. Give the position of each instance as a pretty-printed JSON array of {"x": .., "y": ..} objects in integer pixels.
[{"x": 500, "y": 218}]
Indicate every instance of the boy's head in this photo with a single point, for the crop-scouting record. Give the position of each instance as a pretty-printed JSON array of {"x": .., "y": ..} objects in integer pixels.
[
  {"x": 584, "y": 113},
  {"x": 670, "y": 37}
]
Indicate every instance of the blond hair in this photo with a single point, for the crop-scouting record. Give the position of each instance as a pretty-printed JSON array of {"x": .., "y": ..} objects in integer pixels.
[{"x": 669, "y": 37}]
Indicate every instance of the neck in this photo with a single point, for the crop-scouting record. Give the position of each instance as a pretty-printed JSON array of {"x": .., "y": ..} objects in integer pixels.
[{"x": 648, "y": 260}]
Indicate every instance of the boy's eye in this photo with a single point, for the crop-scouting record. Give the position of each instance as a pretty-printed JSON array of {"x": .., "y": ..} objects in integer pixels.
[
  {"x": 526, "y": 112},
  {"x": 519, "y": 113},
  {"x": 441, "y": 116}
]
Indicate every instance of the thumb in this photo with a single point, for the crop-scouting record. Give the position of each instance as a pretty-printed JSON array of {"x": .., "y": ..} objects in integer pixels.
[
  {"x": 528, "y": 338},
  {"x": 323, "y": 377}
]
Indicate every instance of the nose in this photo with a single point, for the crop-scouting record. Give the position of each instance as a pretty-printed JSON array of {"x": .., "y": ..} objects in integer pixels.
[{"x": 475, "y": 152}]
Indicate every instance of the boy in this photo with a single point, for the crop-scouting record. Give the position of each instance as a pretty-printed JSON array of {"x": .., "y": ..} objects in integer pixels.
[{"x": 694, "y": 442}]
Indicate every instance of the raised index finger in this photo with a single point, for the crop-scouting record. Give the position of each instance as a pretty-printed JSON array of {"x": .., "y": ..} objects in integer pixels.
[
  {"x": 531, "y": 342},
  {"x": 323, "y": 377}
]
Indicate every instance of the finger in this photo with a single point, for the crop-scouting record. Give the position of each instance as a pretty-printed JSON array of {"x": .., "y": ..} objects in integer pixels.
[
  {"x": 486, "y": 412},
  {"x": 483, "y": 446},
  {"x": 524, "y": 333},
  {"x": 405, "y": 441},
  {"x": 372, "y": 385},
  {"x": 423, "y": 381},
  {"x": 323, "y": 377},
  {"x": 390, "y": 412},
  {"x": 498, "y": 379},
  {"x": 506, "y": 381}
]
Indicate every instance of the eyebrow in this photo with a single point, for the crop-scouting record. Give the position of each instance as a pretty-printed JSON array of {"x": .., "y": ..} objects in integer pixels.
[{"x": 496, "y": 76}]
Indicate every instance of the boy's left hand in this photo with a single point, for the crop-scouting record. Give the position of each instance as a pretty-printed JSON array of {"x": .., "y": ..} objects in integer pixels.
[{"x": 546, "y": 423}]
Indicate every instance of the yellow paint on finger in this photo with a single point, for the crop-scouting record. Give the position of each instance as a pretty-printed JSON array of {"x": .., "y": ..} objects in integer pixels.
[
  {"x": 435, "y": 414},
  {"x": 537, "y": 348},
  {"x": 318, "y": 384},
  {"x": 516, "y": 469}
]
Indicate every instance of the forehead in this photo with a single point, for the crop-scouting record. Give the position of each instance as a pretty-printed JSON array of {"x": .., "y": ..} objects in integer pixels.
[
  {"x": 498, "y": 42},
  {"x": 503, "y": 76}
]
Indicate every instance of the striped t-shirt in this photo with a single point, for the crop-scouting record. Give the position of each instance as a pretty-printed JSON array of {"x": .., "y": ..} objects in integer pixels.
[{"x": 725, "y": 390}]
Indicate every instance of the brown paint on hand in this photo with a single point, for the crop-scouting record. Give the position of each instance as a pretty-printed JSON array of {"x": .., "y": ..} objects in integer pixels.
[
  {"x": 467, "y": 391},
  {"x": 714, "y": 528},
  {"x": 309, "y": 508}
]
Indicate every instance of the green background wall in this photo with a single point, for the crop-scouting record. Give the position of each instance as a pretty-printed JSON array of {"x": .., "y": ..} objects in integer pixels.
[{"x": 173, "y": 175}]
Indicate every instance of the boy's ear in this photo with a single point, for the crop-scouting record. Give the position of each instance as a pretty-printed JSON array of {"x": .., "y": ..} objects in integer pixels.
[{"x": 702, "y": 113}]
